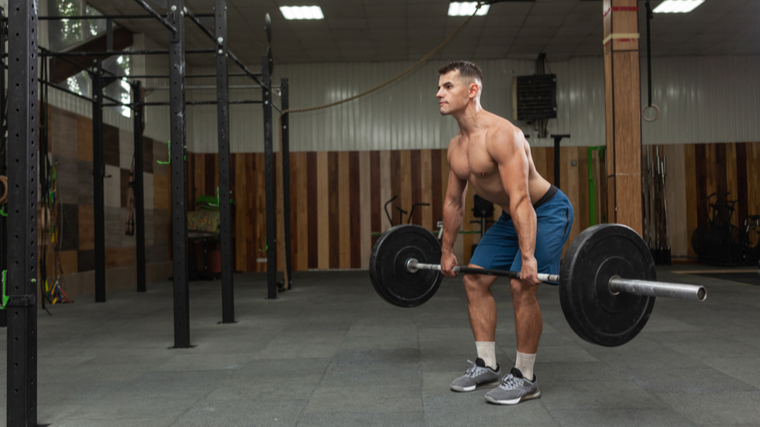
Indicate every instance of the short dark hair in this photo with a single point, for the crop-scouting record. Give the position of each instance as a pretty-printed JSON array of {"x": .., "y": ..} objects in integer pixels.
[{"x": 466, "y": 69}]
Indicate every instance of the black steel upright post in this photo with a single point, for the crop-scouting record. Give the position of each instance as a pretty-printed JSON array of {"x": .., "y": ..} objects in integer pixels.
[
  {"x": 223, "y": 129},
  {"x": 139, "y": 184},
  {"x": 3, "y": 158},
  {"x": 285, "y": 149},
  {"x": 21, "y": 406},
  {"x": 98, "y": 172},
  {"x": 266, "y": 81},
  {"x": 179, "y": 175}
]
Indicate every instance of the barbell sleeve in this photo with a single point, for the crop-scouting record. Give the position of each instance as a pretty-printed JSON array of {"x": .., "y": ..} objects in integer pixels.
[
  {"x": 617, "y": 284},
  {"x": 658, "y": 289}
]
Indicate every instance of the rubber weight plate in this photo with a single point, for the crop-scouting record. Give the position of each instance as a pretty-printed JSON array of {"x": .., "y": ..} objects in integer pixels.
[
  {"x": 593, "y": 258},
  {"x": 387, "y": 265}
]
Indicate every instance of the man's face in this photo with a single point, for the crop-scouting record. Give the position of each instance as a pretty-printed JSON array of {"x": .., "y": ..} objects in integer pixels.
[{"x": 453, "y": 93}]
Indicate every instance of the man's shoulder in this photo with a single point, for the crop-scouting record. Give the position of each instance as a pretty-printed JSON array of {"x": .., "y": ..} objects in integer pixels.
[{"x": 502, "y": 131}]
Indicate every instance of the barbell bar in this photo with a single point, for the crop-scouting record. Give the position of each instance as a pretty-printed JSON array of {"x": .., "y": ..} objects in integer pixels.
[{"x": 617, "y": 284}]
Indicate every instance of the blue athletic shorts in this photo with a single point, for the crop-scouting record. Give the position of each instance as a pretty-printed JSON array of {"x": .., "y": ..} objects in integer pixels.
[{"x": 498, "y": 248}]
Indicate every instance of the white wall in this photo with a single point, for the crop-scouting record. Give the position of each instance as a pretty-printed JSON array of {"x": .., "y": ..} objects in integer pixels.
[{"x": 702, "y": 99}]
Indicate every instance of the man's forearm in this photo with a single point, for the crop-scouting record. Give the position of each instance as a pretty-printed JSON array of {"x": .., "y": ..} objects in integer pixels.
[
  {"x": 453, "y": 215},
  {"x": 524, "y": 218}
]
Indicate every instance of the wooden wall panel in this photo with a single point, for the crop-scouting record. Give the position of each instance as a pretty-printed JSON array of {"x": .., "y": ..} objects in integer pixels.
[
  {"x": 367, "y": 212},
  {"x": 241, "y": 212},
  {"x": 436, "y": 184},
  {"x": 323, "y": 210},
  {"x": 414, "y": 162},
  {"x": 337, "y": 198},
  {"x": 675, "y": 196},
  {"x": 753, "y": 177},
  {"x": 259, "y": 234},
  {"x": 343, "y": 217},
  {"x": 299, "y": 210},
  {"x": 355, "y": 237},
  {"x": 732, "y": 184},
  {"x": 425, "y": 192},
  {"x": 386, "y": 189},
  {"x": 742, "y": 192},
  {"x": 375, "y": 198},
  {"x": 313, "y": 171},
  {"x": 333, "y": 209},
  {"x": 691, "y": 190}
]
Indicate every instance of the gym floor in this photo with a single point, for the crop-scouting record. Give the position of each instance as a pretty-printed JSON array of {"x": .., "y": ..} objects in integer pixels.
[{"x": 332, "y": 353}]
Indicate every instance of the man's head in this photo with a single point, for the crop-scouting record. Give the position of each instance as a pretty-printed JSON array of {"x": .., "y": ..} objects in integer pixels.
[{"x": 459, "y": 84}]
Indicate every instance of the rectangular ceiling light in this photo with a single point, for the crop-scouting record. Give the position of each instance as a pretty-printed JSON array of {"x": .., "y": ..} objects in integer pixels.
[
  {"x": 302, "y": 12},
  {"x": 677, "y": 6},
  {"x": 466, "y": 8}
]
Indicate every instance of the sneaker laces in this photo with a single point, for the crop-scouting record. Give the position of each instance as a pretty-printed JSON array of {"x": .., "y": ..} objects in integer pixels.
[
  {"x": 509, "y": 382},
  {"x": 474, "y": 370}
]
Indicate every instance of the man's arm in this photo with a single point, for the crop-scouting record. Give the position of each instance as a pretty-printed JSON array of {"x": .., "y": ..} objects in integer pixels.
[
  {"x": 453, "y": 212},
  {"x": 508, "y": 152}
]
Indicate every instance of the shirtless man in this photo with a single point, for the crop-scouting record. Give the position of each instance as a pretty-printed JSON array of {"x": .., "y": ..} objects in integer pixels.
[{"x": 492, "y": 155}]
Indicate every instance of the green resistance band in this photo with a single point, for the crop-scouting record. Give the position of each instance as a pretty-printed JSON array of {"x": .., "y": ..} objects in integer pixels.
[
  {"x": 5, "y": 297},
  {"x": 169, "y": 153}
]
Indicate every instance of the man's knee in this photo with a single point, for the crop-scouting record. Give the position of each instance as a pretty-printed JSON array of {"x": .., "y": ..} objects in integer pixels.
[
  {"x": 522, "y": 289},
  {"x": 476, "y": 283}
]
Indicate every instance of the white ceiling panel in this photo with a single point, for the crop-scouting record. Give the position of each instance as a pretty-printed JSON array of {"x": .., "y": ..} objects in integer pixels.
[{"x": 388, "y": 30}]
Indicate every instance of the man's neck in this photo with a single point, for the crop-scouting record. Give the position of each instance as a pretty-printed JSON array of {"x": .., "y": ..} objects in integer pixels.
[{"x": 471, "y": 119}]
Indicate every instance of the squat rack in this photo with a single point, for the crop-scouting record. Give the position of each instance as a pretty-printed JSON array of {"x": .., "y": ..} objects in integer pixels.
[{"x": 22, "y": 156}]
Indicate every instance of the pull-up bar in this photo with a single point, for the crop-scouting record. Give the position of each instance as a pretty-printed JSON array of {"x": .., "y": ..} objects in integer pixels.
[
  {"x": 156, "y": 15},
  {"x": 232, "y": 56},
  {"x": 121, "y": 52}
]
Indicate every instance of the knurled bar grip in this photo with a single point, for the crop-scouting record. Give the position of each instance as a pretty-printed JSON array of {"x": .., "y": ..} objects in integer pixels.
[
  {"x": 617, "y": 284},
  {"x": 413, "y": 265}
]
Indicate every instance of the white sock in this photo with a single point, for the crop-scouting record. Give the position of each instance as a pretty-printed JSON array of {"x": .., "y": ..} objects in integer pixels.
[
  {"x": 524, "y": 362},
  {"x": 487, "y": 352}
]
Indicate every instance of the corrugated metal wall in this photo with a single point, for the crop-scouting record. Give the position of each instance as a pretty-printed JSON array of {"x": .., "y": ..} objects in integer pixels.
[{"x": 702, "y": 99}]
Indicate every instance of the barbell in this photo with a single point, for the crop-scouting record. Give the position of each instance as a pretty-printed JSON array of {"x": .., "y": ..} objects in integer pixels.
[{"x": 607, "y": 281}]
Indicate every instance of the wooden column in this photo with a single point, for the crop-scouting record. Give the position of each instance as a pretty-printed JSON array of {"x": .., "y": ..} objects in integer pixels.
[{"x": 623, "y": 112}]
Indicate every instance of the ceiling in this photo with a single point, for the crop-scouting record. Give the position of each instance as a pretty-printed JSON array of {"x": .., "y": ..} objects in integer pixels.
[{"x": 405, "y": 30}]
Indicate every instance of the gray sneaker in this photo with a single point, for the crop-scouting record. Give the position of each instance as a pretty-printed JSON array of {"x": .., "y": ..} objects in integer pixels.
[
  {"x": 514, "y": 389},
  {"x": 477, "y": 375}
]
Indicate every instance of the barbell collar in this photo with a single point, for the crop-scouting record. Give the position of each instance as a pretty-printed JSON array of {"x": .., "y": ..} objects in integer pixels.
[{"x": 658, "y": 289}]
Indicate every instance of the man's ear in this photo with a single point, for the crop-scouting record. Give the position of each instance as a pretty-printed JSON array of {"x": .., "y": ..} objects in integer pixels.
[{"x": 474, "y": 90}]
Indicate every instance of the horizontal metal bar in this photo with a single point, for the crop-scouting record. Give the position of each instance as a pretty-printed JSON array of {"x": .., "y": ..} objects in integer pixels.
[
  {"x": 160, "y": 104},
  {"x": 230, "y": 102},
  {"x": 199, "y": 24},
  {"x": 240, "y": 64},
  {"x": 658, "y": 289},
  {"x": 83, "y": 68},
  {"x": 209, "y": 87},
  {"x": 78, "y": 17},
  {"x": 47, "y": 83},
  {"x": 114, "y": 100},
  {"x": 189, "y": 76},
  {"x": 413, "y": 265},
  {"x": 156, "y": 15},
  {"x": 122, "y": 52}
]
